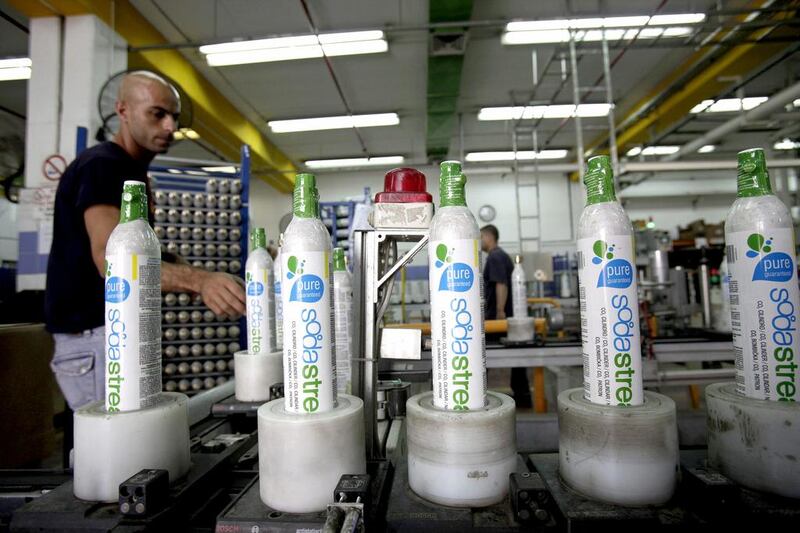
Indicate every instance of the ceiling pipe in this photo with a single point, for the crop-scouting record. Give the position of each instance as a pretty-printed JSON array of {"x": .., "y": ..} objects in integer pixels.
[{"x": 775, "y": 103}]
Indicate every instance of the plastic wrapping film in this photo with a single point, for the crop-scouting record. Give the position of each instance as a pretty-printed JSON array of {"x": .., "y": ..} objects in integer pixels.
[{"x": 620, "y": 455}]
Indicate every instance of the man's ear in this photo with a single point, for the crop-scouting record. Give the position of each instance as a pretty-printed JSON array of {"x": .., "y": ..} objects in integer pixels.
[{"x": 122, "y": 110}]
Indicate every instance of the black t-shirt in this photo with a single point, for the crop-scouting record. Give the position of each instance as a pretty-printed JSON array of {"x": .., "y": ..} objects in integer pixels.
[
  {"x": 497, "y": 269},
  {"x": 74, "y": 296}
]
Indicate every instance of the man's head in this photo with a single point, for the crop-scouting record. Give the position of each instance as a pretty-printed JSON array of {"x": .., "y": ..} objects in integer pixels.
[
  {"x": 489, "y": 237},
  {"x": 148, "y": 108}
]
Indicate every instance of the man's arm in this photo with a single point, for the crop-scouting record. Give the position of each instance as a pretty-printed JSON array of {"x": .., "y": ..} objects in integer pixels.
[
  {"x": 222, "y": 293},
  {"x": 501, "y": 292}
]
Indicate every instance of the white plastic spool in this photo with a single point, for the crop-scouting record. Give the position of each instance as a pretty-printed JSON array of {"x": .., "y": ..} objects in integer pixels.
[
  {"x": 111, "y": 447},
  {"x": 302, "y": 456},
  {"x": 461, "y": 458},
  {"x": 255, "y": 374},
  {"x": 620, "y": 455},
  {"x": 520, "y": 329},
  {"x": 756, "y": 443}
]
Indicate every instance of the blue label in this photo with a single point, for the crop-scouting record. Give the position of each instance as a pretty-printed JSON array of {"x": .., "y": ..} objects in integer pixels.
[
  {"x": 776, "y": 266},
  {"x": 458, "y": 277},
  {"x": 616, "y": 274},
  {"x": 309, "y": 288},
  {"x": 255, "y": 288},
  {"x": 277, "y": 287},
  {"x": 117, "y": 290}
]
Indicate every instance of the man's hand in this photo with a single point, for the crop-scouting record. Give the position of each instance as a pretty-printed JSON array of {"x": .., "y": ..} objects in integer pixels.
[{"x": 223, "y": 294}]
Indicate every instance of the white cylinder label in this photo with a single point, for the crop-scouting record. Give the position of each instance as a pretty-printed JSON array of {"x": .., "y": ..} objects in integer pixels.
[
  {"x": 519, "y": 294},
  {"x": 343, "y": 311},
  {"x": 459, "y": 351},
  {"x": 309, "y": 366},
  {"x": 612, "y": 352},
  {"x": 278, "y": 304},
  {"x": 260, "y": 311},
  {"x": 764, "y": 301},
  {"x": 133, "y": 331}
]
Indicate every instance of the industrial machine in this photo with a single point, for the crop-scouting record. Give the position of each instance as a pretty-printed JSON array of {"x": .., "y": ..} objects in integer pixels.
[{"x": 221, "y": 491}]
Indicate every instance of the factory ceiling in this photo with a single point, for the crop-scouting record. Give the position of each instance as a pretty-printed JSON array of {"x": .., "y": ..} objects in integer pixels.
[{"x": 646, "y": 74}]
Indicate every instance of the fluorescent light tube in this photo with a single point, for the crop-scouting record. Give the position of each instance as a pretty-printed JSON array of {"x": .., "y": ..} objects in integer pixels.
[
  {"x": 356, "y": 162},
  {"x": 185, "y": 133},
  {"x": 633, "y": 152},
  {"x": 295, "y": 47},
  {"x": 706, "y": 149},
  {"x": 558, "y": 30},
  {"x": 652, "y": 150},
  {"x": 543, "y": 111},
  {"x": 521, "y": 155},
  {"x": 786, "y": 144},
  {"x": 224, "y": 169},
  {"x": 673, "y": 20},
  {"x": 729, "y": 105},
  {"x": 15, "y": 68},
  {"x": 333, "y": 123},
  {"x": 15, "y": 62}
]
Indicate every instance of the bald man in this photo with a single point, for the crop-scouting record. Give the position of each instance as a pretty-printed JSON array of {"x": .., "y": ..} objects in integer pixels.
[{"x": 86, "y": 212}]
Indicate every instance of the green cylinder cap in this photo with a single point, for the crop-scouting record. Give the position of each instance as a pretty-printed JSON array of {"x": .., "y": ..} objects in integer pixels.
[
  {"x": 752, "y": 177},
  {"x": 599, "y": 180},
  {"x": 338, "y": 260},
  {"x": 258, "y": 238},
  {"x": 134, "y": 202},
  {"x": 451, "y": 184},
  {"x": 305, "y": 201}
]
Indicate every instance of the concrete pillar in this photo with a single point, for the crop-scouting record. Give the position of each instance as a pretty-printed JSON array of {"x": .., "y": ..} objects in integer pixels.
[
  {"x": 72, "y": 58},
  {"x": 44, "y": 89},
  {"x": 92, "y": 54}
]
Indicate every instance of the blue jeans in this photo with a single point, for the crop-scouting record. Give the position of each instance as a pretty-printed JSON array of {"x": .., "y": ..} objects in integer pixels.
[{"x": 79, "y": 365}]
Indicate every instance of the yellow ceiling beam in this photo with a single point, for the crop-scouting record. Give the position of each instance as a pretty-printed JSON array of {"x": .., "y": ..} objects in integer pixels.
[
  {"x": 713, "y": 80},
  {"x": 215, "y": 118}
]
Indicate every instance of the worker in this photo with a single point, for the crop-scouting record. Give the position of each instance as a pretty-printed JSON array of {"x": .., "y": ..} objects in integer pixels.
[
  {"x": 497, "y": 286},
  {"x": 87, "y": 211}
]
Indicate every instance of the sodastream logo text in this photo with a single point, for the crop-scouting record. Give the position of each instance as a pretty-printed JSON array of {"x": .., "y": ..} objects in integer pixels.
[
  {"x": 458, "y": 277},
  {"x": 255, "y": 313},
  {"x": 777, "y": 267},
  {"x": 308, "y": 289},
  {"x": 117, "y": 291},
  {"x": 618, "y": 274}
]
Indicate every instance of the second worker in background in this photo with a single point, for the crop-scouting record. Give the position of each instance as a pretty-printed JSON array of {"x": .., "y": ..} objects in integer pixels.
[{"x": 497, "y": 285}]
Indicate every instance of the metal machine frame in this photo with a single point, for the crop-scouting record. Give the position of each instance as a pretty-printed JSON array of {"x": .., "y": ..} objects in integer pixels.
[{"x": 375, "y": 264}]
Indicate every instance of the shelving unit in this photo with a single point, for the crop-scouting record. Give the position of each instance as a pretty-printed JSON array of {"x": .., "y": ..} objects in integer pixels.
[
  {"x": 185, "y": 196},
  {"x": 338, "y": 218}
]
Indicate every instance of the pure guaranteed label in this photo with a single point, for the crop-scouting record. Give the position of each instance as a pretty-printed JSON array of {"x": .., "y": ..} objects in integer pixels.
[
  {"x": 459, "y": 352},
  {"x": 764, "y": 301},
  {"x": 260, "y": 305},
  {"x": 309, "y": 366},
  {"x": 612, "y": 359},
  {"x": 133, "y": 331}
]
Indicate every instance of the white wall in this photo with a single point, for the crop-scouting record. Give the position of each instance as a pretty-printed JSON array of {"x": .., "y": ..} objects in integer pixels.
[
  {"x": 674, "y": 199},
  {"x": 267, "y": 206}
]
